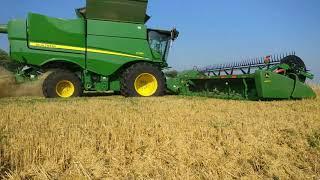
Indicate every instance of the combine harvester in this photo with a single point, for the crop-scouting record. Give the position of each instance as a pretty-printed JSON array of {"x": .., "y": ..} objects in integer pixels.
[{"x": 109, "y": 48}]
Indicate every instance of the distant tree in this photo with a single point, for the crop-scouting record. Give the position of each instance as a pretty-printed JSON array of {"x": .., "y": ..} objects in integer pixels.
[
  {"x": 171, "y": 73},
  {"x": 3, "y": 55}
]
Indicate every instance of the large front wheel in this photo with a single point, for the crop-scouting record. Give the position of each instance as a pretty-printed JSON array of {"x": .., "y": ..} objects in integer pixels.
[{"x": 142, "y": 80}]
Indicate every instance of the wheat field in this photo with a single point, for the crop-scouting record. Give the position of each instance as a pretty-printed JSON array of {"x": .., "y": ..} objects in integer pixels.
[{"x": 111, "y": 137}]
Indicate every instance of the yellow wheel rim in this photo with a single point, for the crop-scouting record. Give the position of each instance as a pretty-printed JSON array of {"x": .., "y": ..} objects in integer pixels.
[
  {"x": 65, "y": 89},
  {"x": 146, "y": 84}
]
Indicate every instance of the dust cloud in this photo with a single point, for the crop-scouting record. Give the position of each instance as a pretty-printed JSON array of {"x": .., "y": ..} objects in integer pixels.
[{"x": 9, "y": 87}]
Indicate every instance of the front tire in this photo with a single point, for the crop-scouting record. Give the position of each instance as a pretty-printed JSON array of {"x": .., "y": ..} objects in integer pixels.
[
  {"x": 142, "y": 80},
  {"x": 62, "y": 84}
]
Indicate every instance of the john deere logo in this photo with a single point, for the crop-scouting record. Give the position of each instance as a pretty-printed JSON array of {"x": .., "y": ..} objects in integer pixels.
[{"x": 267, "y": 75}]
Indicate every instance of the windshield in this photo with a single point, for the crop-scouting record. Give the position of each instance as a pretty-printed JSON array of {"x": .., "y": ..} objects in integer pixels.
[{"x": 159, "y": 44}]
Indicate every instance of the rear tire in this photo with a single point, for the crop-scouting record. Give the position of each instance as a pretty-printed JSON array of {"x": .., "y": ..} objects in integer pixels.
[
  {"x": 62, "y": 84},
  {"x": 142, "y": 80}
]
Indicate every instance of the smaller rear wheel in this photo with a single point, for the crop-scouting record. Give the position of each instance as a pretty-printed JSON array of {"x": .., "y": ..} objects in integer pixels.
[{"x": 62, "y": 84}]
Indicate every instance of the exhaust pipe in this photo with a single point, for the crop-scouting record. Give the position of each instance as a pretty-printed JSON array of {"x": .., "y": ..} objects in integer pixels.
[{"x": 3, "y": 28}]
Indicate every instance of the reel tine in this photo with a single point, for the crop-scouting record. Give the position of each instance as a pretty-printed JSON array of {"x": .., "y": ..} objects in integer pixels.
[
  {"x": 252, "y": 62},
  {"x": 242, "y": 63},
  {"x": 247, "y": 62},
  {"x": 273, "y": 58},
  {"x": 280, "y": 57}
]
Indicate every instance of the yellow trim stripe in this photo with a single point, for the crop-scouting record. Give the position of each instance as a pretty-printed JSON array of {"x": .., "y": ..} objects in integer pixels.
[
  {"x": 112, "y": 53},
  {"x": 57, "y": 46}
]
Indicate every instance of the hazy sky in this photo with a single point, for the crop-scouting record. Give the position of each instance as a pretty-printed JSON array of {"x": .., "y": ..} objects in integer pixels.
[{"x": 213, "y": 31}]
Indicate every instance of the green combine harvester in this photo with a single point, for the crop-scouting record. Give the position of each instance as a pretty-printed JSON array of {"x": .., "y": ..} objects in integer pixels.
[{"x": 109, "y": 48}]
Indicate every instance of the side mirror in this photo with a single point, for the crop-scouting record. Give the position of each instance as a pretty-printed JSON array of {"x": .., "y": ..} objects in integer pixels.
[{"x": 174, "y": 34}]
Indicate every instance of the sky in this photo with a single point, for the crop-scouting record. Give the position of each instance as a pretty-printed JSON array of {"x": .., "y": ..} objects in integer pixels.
[{"x": 213, "y": 31}]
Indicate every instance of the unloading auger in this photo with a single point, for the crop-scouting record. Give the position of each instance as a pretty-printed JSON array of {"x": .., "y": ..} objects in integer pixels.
[{"x": 270, "y": 77}]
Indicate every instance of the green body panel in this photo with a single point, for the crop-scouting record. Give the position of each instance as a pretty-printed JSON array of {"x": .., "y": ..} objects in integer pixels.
[
  {"x": 117, "y": 10},
  {"x": 117, "y": 29},
  {"x": 127, "y": 42},
  {"x": 272, "y": 85},
  {"x": 21, "y": 53},
  {"x": 17, "y": 35},
  {"x": 301, "y": 90},
  {"x": 107, "y": 64},
  {"x": 17, "y": 30},
  {"x": 56, "y": 31}
]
